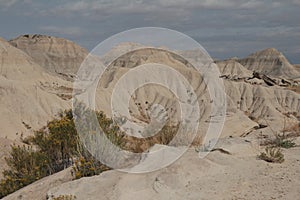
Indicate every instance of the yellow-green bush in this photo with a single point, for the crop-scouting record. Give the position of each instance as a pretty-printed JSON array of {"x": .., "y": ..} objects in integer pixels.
[
  {"x": 57, "y": 146},
  {"x": 26, "y": 166},
  {"x": 85, "y": 167}
]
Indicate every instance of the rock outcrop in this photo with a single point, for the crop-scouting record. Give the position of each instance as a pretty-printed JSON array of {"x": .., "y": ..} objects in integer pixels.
[
  {"x": 232, "y": 70},
  {"x": 270, "y": 62},
  {"x": 25, "y": 93},
  {"x": 57, "y": 55}
]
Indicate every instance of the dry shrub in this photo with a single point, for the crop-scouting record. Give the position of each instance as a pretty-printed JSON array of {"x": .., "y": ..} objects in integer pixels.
[
  {"x": 139, "y": 145},
  {"x": 272, "y": 154},
  {"x": 65, "y": 197}
]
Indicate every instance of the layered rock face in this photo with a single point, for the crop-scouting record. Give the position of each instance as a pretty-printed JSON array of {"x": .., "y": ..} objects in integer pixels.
[
  {"x": 248, "y": 94},
  {"x": 231, "y": 69},
  {"x": 57, "y": 55},
  {"x": 29, "y": 95},
  {"x": 270, "y": 62}
]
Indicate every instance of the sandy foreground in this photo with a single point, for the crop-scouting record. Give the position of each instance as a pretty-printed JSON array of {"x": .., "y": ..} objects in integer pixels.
[{"x": 238, "y": 175}]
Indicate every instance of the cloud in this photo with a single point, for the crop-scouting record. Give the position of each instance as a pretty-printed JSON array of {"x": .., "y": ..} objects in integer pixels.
[
  {"x": 65, "y": 31},
  {"x": 238, "y": 26},
  {"x": 7, "y": 3},
  {"x": 133, "y": 6}
]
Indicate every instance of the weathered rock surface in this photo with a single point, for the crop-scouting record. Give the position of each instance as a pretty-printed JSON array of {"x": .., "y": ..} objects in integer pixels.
[
  {"x": 233, "y": 175},
  {"x": 38, "y": 189},
  {"x": 32, "y": 91},
  {"x": 270, "y": 62},
  {"x": 26, "y": 102},
  {"x": 29, "y": 96},
  {"x": 232, "y": 70},
  {"x": 57, "y": 55}
]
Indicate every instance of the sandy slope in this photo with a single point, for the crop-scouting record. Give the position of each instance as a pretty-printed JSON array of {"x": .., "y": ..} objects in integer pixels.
[
  {"x": 58, "y": 56},
  {"x": 38, "y": 189},
  {"x": 218, "y": 176},
  {"x": 26, "y": 93},
  {"x": 239, "y": 175}
]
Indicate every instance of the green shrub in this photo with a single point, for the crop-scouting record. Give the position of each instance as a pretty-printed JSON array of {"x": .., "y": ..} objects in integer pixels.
[
  {"x": 287, "y": 144},
  {"x": 282, "y": 141}
]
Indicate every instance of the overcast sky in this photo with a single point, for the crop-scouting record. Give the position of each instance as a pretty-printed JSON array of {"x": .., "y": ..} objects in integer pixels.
[{"x": 225, "y": 28}]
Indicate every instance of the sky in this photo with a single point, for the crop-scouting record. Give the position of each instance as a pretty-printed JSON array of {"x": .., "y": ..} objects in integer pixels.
[{"x": 225, "y": 28}]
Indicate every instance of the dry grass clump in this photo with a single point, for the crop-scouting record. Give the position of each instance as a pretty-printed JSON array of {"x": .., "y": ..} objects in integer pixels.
[
  {"x": 65, "y": 197},
  {"x": 282, "y": 141},
  {"x": 272, "y": 155},
  {"x": 273, "y": 151},
  {"x": 139, "y": 145}
]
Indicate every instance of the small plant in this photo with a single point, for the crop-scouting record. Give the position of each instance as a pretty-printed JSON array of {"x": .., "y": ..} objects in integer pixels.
[
  {"x": 285, "y": 139},
  {"x": 282, "y": 141},
  {"x": 65, "y": 197},
  {"x": 272, "y": 155},
  {"x": 286, "y": 143}
]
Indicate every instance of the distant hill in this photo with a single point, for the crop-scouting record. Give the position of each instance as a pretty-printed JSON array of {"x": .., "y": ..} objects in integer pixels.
[
  {"x": 57, "y": 55},
  {"x": 270, "y": 62}
]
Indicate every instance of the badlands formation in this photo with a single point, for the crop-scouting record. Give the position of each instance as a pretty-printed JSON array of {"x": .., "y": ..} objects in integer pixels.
[{"x": 36, "y": 83}]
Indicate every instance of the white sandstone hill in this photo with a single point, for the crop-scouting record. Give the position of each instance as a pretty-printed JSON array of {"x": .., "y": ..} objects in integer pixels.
[
  {"x": 36, "y": 75},
  {"x": 232, "y": 70},
  {"x": 245, "y": 96},
  {"x": 29, "y": 95},
  {"x": 270, "y": 62},
  {"x": 57, "y": 55}
]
